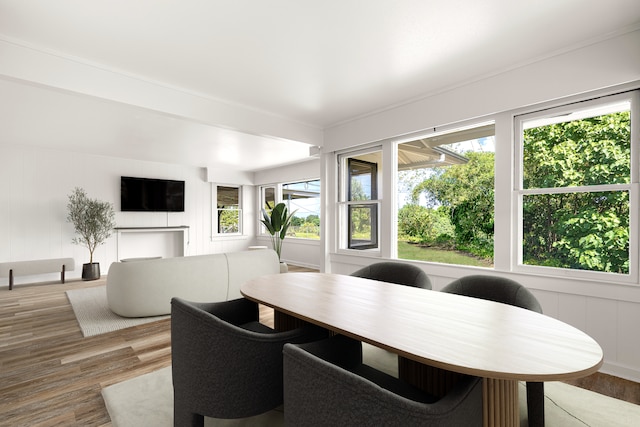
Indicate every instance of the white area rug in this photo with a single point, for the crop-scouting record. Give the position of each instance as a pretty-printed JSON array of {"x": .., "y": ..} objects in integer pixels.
[
  {"x": 564, "y": 405},
  {"x": 148, "y": 401},
  {"x": 567, "y": 405},
  {"x": 95, "y": 317}
]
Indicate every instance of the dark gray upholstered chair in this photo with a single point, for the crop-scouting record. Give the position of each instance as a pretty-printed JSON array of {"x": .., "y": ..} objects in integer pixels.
[
  {"x": 510, "y": 292},
  {"x": 326, "y": 384},
  {"x": 395, "y": 272},
  {"x": 225, "y": 363},
  {"x": 391, "y": 272}
]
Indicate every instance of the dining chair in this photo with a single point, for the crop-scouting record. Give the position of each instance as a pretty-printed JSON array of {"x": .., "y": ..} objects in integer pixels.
[
  {"x": 400, "y": 274},
  {"x": 326, "y": 383},
  {"x": 506, "y": 291},
  {"x": 395, "y": 272},
  {"x": 225, "y": 363}
]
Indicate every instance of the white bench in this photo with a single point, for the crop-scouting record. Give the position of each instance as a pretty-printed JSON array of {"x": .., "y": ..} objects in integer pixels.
[{"x": 39, "y": 266}]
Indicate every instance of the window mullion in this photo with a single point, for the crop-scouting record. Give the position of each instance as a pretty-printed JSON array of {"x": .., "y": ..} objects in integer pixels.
[{"x": 577, "y": 189}]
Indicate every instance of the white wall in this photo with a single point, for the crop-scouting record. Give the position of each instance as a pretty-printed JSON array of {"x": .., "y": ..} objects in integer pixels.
[
  {"x": 609, "y": 312},
  {"x": 607, "y": 63},
  {"x": 35, "y": 184},
  {"x": 300, "y": 252},
  {"x": 302, "y": 171}
]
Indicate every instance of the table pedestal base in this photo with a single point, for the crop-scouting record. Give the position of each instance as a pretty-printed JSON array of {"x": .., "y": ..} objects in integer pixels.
[
  {"x": 435, "y": 381},
  {"x": 500, "y": 397},
  {"x": 500, "y": 403},
  {"x": 285, "y": 322}
]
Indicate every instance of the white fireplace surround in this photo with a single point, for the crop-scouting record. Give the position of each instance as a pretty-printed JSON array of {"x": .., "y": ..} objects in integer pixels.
[{"x": 148, "y": 242}]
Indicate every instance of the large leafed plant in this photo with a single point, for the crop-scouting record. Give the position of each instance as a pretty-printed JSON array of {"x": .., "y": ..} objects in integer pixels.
[{"x": 277, "y": 223}]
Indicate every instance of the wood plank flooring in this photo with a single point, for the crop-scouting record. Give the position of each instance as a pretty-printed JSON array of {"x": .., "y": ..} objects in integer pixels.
[{"x": 50, "y": 375}]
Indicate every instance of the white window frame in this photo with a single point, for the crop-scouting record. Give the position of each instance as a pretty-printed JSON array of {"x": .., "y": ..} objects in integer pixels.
[
  {"x": 288, "y": 202},
  {"x": 277, "y": 188},
  {"x": 215, "y": 210},
  {"x": 279, "y": 198},
  {"x": 443, "y": 131},
  {"x": 343, "y": 204},
  {"x": 633, "y": 189}
]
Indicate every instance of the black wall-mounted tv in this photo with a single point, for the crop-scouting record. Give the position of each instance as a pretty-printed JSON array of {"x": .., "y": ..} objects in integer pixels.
[{"x": 151, "y": 195}]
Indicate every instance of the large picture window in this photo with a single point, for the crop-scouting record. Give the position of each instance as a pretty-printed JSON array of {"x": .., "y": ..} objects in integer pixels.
[
  {"x": 446, "y": 196},
  {"x": 575, "y": 188},
  {"x": 302, "y": 198}
]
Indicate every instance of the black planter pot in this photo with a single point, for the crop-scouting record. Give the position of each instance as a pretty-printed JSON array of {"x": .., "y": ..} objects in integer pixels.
[{"x": 91, "y": 271}]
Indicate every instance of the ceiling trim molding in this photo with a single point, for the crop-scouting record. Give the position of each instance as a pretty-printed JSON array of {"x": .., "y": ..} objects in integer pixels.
[
  {"x": 27, "y": 63},
  {"x": 611, "y": 62},
  {"x": 531, "y": 61}
]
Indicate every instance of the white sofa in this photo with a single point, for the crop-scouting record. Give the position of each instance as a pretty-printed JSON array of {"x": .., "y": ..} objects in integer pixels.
[{"x": 145, "y": 287}]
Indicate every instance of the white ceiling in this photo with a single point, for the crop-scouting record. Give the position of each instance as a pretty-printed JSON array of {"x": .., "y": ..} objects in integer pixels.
[{"x": 318, "y": 63}]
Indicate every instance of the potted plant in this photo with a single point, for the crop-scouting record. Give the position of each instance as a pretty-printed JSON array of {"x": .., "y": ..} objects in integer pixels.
[
  {"x": 93, "y": 221},
  {"x": 277, "y": 223}
]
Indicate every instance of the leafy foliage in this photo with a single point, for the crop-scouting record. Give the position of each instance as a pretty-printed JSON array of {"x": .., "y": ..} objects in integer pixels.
[
  {"x": 580, "y": 230},
  {"x": 277, "y": 223},
  {"x": 584, "y": 229},
  {"x": 360, "y": 215},
  {"x": 590, "y": 151},
  {"x": 228, "y": 220},
  {"x": 92, "y": 219},
  {"x": 419, "y": 224},
  {"x": 465, "y": 194},
  {"x": 308, "y": 228}
]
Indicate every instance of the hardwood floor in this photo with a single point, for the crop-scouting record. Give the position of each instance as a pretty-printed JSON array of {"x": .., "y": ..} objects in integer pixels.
[
  {"x": 610, "y": 386},
  {"x": 51, "y": 375}
]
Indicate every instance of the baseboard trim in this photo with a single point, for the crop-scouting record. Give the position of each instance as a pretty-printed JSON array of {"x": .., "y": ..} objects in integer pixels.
[{"x": 621, "y": 371}]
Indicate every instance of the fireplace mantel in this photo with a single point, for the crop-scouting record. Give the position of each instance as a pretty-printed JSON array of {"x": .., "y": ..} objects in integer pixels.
[{"x": 148, "y": 241}]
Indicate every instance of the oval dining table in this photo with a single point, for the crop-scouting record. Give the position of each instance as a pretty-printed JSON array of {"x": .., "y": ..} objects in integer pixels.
[{"x": 445, "y": 332}]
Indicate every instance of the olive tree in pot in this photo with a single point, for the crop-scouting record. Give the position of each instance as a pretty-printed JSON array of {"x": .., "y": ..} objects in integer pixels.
[
  {"x": 277, "y": 223},
  {"x": 93, "y": 221}
]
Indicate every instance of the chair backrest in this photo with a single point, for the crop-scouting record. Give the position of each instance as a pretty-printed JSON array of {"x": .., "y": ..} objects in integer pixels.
[
  {"x": 320, "y": 391},
  {"x": 510, "y": 292},
  {"x": 493, "y": 288},
  {"x": 224, "y": 365},
  {"x": 395, "y": 272}
]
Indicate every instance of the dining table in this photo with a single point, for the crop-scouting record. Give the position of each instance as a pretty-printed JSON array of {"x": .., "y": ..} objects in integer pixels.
[{"x": 442, "y": 332}]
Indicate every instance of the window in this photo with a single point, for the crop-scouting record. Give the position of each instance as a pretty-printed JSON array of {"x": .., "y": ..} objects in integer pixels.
[
  {"x": 575, "y": 188},
  {"x": 228, "y": 217},
  {"x": 446, "y": 197},
  {"x": 268, "y": 197},
  {"x": 359, "y": 202},
  {"x": 303, "y": 198}
]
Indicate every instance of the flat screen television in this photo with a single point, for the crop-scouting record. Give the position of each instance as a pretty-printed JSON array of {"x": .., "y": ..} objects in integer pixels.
[{"x": 151, "y": 195}]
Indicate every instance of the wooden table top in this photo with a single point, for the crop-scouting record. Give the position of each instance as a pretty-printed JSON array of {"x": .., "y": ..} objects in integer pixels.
[{"x": 453, "y": 332}]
